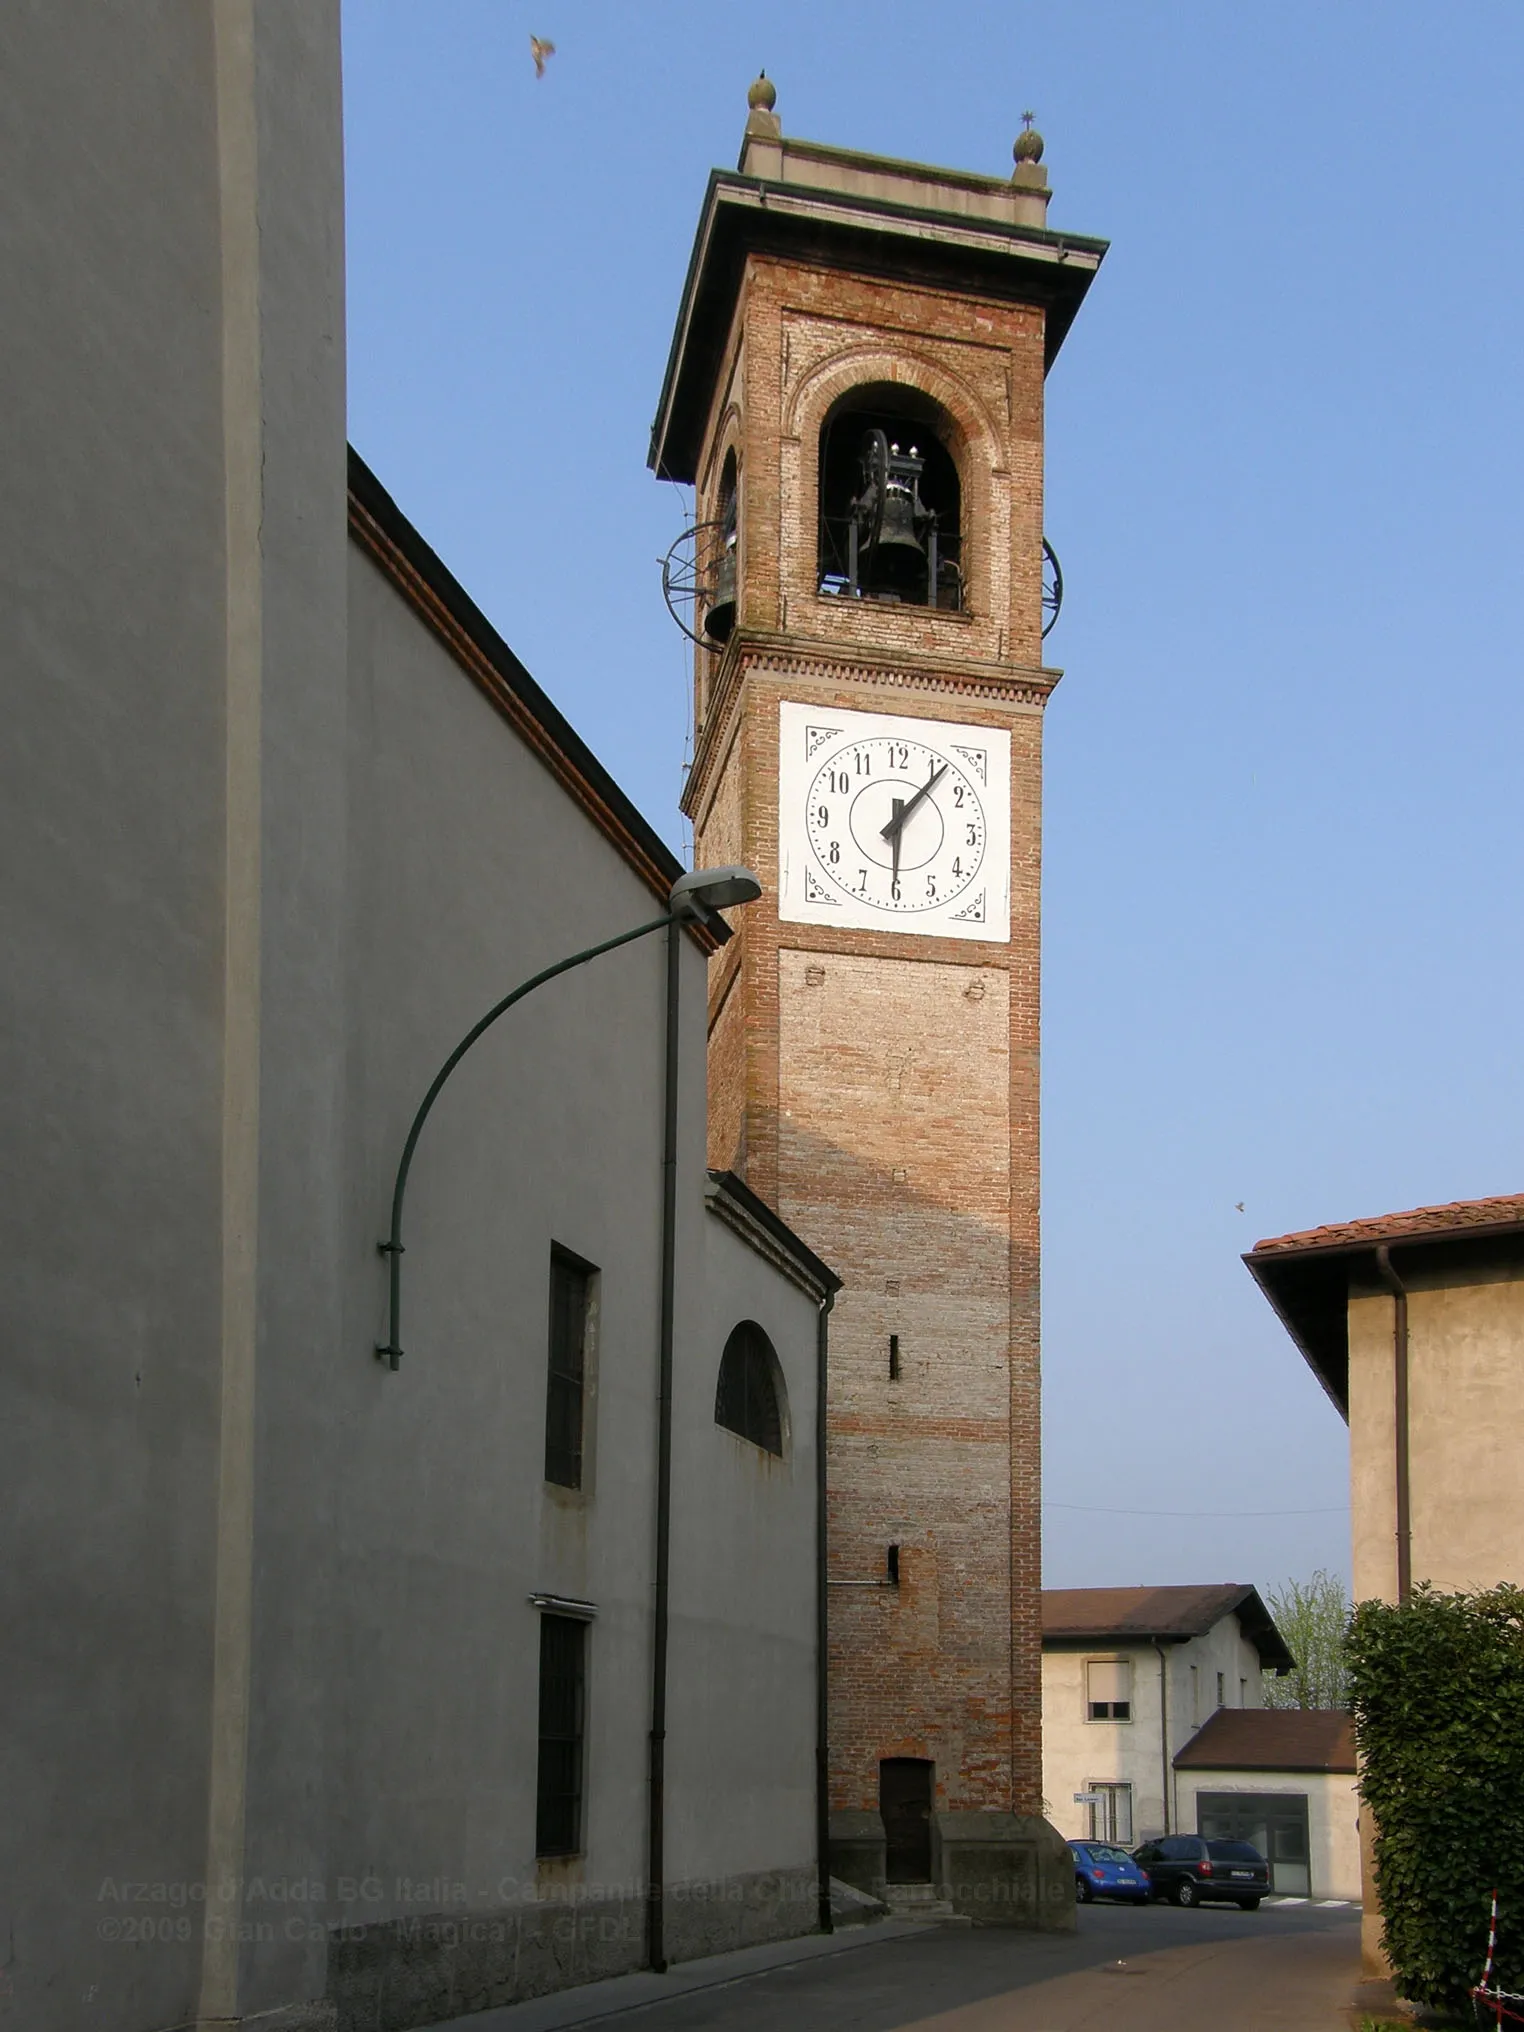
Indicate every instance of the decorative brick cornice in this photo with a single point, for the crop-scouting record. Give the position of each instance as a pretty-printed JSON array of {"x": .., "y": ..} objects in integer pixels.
[
  {"x": 749, "y": 650},
  {"x": 1027, "y": 688}
]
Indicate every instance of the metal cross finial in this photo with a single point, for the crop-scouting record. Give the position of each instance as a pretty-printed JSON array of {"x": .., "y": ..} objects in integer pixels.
[{"x": 1028, "y": 149}]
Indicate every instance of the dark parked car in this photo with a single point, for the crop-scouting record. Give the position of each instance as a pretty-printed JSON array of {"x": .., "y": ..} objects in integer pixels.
[
  {"x": 1101, "y": 1870},
  {"x": 1189, "y": 1870}
]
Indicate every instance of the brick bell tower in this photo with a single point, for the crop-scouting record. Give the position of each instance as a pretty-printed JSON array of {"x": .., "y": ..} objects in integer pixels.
[{"x": 855, "y": 391}]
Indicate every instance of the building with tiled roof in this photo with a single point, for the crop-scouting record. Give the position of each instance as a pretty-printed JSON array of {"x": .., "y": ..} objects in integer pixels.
[
  {"x": 1307, "y": 1275},
  {"x": 1282, "y": 1778},
  {"x": 1272, "y": 1739},
  {"x": 1129, "y": 1674},
  {"x": 1414, "y": 1325},
  {"x": 1164, "y": 1614},
  {"x": 1470, "y": 1216}
]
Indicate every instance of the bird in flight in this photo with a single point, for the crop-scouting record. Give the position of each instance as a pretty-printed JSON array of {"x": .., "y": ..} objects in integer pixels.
[
  {"x": 539, "y": 50},
  {"x": 1238, "y": 1203}
]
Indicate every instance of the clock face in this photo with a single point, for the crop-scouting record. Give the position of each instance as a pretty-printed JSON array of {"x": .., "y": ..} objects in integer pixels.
[{"x": 892, "y": 823}]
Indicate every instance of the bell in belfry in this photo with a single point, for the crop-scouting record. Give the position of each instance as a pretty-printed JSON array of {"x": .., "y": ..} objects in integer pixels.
[
  {"x": 891, "y": 522},
  {"x": 720, "y": 614}
]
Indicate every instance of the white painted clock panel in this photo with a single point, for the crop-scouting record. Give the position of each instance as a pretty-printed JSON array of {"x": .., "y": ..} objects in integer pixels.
[{"x": 893, "y": 824}]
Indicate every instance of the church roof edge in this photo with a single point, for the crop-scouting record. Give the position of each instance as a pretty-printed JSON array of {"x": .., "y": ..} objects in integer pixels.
[{"x": 426, "y": 583}]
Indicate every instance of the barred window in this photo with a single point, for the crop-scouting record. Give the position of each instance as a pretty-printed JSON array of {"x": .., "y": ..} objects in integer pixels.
[
  {"x": 748, "y": 1398},
  {"x": 563, "y": 1701},
  {"x": 1109, "y": 1806}
]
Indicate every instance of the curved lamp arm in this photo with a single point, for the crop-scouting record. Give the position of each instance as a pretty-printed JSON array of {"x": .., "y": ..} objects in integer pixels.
[
  {"x": 695, "y": 897},
  {"x": 391, "y": 1248}
]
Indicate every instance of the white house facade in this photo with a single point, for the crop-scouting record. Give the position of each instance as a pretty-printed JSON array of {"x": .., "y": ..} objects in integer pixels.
[{"x": 1129, "y": 1677}]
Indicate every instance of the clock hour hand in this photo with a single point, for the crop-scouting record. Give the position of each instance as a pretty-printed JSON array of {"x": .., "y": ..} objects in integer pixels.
[
  {"x": 896, "y": 824},
  {"x": 891, "y": 832}
]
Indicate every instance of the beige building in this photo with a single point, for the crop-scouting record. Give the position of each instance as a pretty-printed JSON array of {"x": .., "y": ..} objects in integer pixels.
[
  {"x": 1284, "y": 1779},
  {"x": 1129, "y": 1676},
  {"x": 1414, "y": 1325}
]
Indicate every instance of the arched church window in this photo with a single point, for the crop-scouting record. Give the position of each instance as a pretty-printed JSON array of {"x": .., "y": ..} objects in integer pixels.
[
  {"x": 749, "y": 1396},
  {"x": 890, "y": 501}
]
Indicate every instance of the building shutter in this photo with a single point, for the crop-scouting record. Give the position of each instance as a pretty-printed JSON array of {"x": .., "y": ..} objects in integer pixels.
[{"x": 1109, "y": 1679}]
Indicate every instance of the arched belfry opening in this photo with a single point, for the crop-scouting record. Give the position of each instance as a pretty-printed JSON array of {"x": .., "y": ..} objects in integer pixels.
[{"x": 891, "y": 503}]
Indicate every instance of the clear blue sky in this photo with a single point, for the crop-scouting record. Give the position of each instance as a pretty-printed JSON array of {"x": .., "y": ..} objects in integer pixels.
[{"x": 1284, "y": 855}]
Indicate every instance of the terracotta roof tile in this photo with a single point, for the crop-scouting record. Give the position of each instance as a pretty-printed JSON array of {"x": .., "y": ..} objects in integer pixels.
[
  {"x": 1141, "y": 1614},
  {"x": 1454, "y": 1217},
  {"x": 1272, "y": 1739}
]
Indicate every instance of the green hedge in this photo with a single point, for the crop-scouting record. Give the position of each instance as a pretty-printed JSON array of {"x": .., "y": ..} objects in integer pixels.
[{"x": 1437, "y": 1689}]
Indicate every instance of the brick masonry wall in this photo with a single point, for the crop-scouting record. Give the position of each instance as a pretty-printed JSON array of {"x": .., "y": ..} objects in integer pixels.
[
  {"x": 894, "y": 1137},
  {"x": 881, "y": 1089}
]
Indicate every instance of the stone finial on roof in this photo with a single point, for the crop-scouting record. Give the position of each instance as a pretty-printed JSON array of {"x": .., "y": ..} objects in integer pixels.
[
  {"x": 762, "y": 121},
  {"x": 1029, "y": 180}
]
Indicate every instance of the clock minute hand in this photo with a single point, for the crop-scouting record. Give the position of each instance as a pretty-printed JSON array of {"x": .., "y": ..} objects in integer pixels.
[{"x": 896, "y": 824}]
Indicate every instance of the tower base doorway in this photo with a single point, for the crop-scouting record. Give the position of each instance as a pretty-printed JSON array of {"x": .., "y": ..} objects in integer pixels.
[{"x": 905, "y": 1788}]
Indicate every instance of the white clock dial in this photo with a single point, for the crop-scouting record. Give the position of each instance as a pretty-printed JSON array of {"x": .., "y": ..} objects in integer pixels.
[{"x": 896, "y": 823}]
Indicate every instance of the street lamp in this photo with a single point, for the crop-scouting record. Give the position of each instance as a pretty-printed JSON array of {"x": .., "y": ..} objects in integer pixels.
[{"x": 693, "y": 899}]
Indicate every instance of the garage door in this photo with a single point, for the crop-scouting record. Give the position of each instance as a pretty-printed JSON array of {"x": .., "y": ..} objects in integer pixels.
[{"x": 1276, "y": 1823}]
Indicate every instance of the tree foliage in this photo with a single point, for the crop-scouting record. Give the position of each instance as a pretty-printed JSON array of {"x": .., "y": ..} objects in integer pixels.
[
  {"x": 1313, "y": 1617},
  {"x": 1437, "y": 1688}
]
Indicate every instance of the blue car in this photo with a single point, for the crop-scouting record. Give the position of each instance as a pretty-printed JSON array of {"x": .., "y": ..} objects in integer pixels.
[{"x": 1104, "y": 1871}]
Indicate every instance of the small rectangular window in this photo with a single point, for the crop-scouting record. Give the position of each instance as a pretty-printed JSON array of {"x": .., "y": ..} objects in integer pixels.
[
  {"x": 1108, "y": 1689},
  {"x": 563, "y": 1700},
  {"x": 571, "y": 1283},
  {"x": 894, "y": 1358},
  {"x": 892, "y": 1566}
]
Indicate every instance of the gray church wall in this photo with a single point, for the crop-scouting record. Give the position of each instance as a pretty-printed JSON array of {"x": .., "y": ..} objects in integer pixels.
[
  {"x": 295, "y": 846},
  {"x": 549, "y": 1132},
  {"x": 112, "y": 602},
  {"x": 742, "y": 1700},
  {"x": 271, "y": 1701},
  {"x": 471, "y": 871}
]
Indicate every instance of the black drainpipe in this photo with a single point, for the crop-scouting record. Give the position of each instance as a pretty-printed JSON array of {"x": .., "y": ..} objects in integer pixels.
[
  {"x": 822, "y": 1633},
  {"x": 1164, "y": 1732},
  {"x": 1399, "y": 1292},
  {"x": 656, "y": 1949}
]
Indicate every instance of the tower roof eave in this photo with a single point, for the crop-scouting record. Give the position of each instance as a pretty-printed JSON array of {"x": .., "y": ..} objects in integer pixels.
[{"x": 748, "y": 214}]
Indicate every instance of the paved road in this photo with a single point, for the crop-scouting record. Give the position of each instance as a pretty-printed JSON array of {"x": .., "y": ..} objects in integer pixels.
[{"x": 1282, "y": 1969}]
